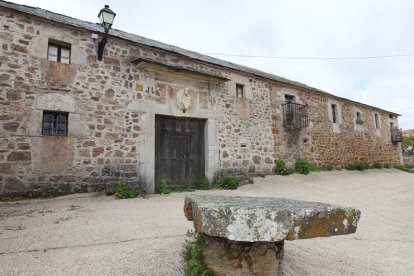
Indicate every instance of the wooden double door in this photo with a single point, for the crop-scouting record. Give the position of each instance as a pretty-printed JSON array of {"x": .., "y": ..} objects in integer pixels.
[{"x": 179, "y": 150}]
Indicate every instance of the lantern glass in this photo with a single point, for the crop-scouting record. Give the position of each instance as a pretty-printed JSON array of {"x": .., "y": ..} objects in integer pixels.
[{"x": 106, "y": 17}]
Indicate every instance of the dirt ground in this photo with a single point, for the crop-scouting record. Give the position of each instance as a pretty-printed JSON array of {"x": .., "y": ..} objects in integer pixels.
[{"x": 88, "y": 234}]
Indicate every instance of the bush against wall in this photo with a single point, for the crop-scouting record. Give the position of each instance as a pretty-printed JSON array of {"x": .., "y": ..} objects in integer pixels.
[
  {"x": 227, "y": 182},
  {"x": 163, "y": 188},
  {"x": 281, "y": 168},
  {"x": 123, "y": 190},
  {"x": 302, "y": 166},
  {"x": 202, "y": 183}
]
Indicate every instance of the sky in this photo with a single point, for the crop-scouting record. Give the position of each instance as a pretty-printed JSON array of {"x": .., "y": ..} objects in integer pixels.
[{"x": 332, "y": 45}]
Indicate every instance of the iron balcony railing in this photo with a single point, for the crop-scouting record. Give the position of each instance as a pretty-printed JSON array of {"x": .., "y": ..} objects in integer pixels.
[
  {"x": 295, "y": 115},
  {"x": 396, "y": 135}
]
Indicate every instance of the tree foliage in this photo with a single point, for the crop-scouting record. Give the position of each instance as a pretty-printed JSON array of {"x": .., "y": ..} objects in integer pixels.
[{"x": 408, "y": 144}]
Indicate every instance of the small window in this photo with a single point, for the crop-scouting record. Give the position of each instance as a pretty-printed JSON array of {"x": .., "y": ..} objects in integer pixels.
[
  {"x": 59, "y": 52},
  {"x": 55, "y": 123},
  {"x": 359, "y": 118},
  {"x": 289, "y": 98},
  {"x": 240, "y": 90},
  {"x": 377, "y": 123},
  {"x": 334, "y": 113}
]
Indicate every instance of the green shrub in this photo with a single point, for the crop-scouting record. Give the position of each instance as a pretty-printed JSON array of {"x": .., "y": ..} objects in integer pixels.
[
  {"x": 163, "y": 188},
  {"x": 376, "y": 165},
  {"x": 123, "y": 190},
  {"x": 202, "y": 183},
  {"x": 302, "y": 166},
  {"x": 227, "y": 182},
  {"x": 329, "y": 167},
  {"x": 281, "y": 167},
  {"x": 387, "y": 166},
  {"x": 251, "y": 180},
  {"x": 193, "y": 256}
]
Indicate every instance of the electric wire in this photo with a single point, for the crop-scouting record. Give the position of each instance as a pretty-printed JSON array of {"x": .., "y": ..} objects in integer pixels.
[{"x": 311, "y": 58}]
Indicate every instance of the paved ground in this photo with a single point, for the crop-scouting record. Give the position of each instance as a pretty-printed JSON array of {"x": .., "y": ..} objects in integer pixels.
[{"x": 88, "y": 234}]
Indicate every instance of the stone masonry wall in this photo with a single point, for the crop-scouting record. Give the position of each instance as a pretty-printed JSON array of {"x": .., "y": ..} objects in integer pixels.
[
  {"x": 112, "y": 103},
  {"x": 326, "y": 143}
]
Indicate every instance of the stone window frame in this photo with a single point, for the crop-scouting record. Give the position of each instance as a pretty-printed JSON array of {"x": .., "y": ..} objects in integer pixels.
[
  {"x": 60, "y": 46},
  {"x": 240, "y": 90},
  {"x": 59, "y": 122}
]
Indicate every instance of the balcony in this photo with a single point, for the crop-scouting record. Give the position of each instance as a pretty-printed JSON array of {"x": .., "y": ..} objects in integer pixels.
[
  {"x": 396, "y": 135},
  {"x": 295, "y": 116}
]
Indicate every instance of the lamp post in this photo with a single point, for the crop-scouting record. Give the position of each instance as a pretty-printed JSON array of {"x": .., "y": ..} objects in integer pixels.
[{"x": 106, "y": 17}]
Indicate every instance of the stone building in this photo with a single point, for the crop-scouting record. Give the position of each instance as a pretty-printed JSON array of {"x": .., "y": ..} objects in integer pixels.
[{"x": 151, "y": 111}]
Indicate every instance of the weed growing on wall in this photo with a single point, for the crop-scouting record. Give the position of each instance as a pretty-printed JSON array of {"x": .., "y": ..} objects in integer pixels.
[
  {"x": 123, "y": 190},
  {"x": 163, "y": 188},
  {"x": 193, "y": 256},
  {"x": 281, "y": 167},
  {"x": 302, "y": 166},
  {"x": 202, "y": 183},
  {"x": 227, "y": 182}
]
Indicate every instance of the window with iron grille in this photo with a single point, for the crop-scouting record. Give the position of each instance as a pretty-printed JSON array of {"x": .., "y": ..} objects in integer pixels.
[
  {"x": 396, "y": 134},
  {"x": 58, "y": 52},
  {"x": 295, "y": 115},
  {"x": 55, "y": 123},
  {"x": 240, "y": 90}
]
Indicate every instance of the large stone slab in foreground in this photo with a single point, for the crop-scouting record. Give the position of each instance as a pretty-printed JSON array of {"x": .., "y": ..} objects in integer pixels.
[
  {"x": 258, "y": 219},
  {"x": 246, "y": 235}
]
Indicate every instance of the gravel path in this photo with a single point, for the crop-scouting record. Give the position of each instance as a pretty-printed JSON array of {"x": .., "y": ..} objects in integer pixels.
[{"x": 86, "y": 234}]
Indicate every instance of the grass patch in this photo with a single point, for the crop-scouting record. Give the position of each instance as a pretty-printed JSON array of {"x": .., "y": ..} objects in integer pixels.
[
  {"x": 227, "y": 182},
  {"x": 317, "y": 168},
  {"x": 404, "y": 168},
  {"x": 181, "y": 189},
  {"x": 163, "y": 188},
  {"x": 281, "y": 167},
  {"x": 302, "y": 166},
  {"x": 358, "y": 166},
  {"x": 376, "y": 165},
  {"x": 193, "y": 256},
  {"x": 202, "y": 183},
  {"x": 123, "y": 190}
]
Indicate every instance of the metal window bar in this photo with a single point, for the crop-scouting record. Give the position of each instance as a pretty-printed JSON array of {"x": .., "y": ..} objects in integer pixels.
[
  {"x": 55, "y": 123},
  {"x": 295, "y": 115},
  {"x": 396, "y": 135}
]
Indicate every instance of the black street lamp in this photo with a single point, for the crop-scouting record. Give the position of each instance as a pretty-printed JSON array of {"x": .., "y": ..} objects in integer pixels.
[{"x": 106, "y": 17}]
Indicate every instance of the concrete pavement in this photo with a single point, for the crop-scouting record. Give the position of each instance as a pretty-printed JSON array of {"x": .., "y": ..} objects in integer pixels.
[{"x": 88, "y": 234}]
